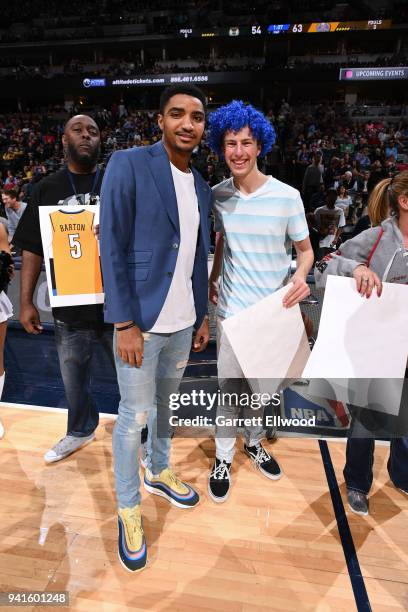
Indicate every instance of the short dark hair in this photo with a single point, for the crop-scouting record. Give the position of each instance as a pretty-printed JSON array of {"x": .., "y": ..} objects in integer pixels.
[
  {"x": 187, "y": 90},
  {"x": 331, "y": 195},
  {"x": 12, "y": 193}
]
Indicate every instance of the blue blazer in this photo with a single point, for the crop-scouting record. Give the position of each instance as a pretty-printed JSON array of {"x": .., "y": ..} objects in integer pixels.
[{"x": 140, "y": 236}]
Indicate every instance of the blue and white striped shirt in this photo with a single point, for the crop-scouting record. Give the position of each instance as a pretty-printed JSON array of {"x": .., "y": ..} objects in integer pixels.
[{"x": 258, "y": 232}]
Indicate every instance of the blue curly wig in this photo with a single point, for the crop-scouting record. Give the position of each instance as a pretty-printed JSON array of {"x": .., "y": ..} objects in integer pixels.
[{"x": 235, "y": 116}]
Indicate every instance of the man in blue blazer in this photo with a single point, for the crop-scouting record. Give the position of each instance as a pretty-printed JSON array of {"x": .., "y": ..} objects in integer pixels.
[{"x": 154, "y": 239}]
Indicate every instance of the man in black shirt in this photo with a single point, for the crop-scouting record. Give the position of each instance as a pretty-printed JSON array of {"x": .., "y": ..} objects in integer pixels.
[{"x": 76, "y": 327}]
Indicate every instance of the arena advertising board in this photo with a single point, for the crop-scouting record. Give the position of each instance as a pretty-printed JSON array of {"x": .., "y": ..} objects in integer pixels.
[
  {"x": 386, "y": 73},
  {"x": 160, "y": 80}
]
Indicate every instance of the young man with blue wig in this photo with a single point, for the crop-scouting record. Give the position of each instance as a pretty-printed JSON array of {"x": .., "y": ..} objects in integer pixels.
[{"x": 257, "y": 219}]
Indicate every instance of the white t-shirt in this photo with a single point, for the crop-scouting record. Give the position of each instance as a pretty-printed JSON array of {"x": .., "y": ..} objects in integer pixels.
[
  {"x": 343, "y": 203},
  {"x": 258, "y": 232},
  {"x": 178, "y": 311},
  {"x": 14, "y": 217},
  {"x": 328, "y": 221}
]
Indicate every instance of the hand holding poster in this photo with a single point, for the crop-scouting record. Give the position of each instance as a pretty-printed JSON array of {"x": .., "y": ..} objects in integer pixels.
[
  {"x": 269, "y": 340},
  {"x": 360, "y": 354}
]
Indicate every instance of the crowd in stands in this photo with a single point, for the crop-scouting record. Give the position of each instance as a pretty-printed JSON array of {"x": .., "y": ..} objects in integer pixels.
[
  {"x": 31, "y": 147},
  {"x": 123, "y": 68},
  {"x": 336, "y": 161},
  {"x": 29, "y": 68},
  {"x": 56, "y": 12},
  {"x": 222, "y": 64},
  {"x": 316, "y": 151},
  {"x": 350, "y": 61}
]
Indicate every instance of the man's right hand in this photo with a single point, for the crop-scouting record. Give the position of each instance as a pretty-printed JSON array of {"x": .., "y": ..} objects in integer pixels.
[
  {"x": 30, "y": 319},
  {"x": 130, "y": 345}
]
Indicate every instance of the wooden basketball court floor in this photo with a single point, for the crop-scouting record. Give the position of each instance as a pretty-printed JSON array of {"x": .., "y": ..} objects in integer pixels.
[{"x": 285, "y": 545}]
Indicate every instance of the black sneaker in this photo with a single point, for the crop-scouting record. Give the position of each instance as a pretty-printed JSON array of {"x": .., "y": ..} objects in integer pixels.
[
  {"x": 219, "y": 481},
  {"x": 358, "y": 502},
  {"x": 263, "y": 461}
]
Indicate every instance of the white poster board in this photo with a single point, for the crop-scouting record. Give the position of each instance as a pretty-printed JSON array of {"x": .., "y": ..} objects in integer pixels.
[
  {"x": 361, "y": 341},
  {"x": 71, "y": 253},
  {"x": 269, "y": 341}
]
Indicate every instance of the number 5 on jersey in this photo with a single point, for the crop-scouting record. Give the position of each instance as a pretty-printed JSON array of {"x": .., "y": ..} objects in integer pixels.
[{"x": 75, "y": 246}]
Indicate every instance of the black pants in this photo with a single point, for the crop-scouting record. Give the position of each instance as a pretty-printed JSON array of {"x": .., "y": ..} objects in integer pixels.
[{"x": 358, "y": 471}]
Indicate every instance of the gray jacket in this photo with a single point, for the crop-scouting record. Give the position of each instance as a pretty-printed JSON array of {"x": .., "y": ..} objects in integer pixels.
[{"x": 387, "y": 256}]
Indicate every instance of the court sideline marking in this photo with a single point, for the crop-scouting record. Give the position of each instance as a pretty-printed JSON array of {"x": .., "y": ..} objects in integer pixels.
[{"x": 350, "y": 554}]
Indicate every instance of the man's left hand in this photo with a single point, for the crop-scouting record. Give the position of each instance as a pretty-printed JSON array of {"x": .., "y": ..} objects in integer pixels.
[
  {"x": 201, "y": 337},
  {"x": 298, "y": 292}
]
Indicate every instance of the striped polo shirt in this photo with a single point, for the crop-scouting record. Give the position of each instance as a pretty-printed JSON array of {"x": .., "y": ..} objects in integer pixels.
[{"x": 258, "y": 232}]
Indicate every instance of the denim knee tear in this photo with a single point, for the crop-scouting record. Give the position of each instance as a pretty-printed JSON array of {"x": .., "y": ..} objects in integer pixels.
[{"x": 141, "y": 419}]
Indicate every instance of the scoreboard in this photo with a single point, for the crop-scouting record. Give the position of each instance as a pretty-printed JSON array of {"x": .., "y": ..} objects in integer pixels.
[
  {"x": 328, "y": 26},
  {"x": 288, "y": 28}
]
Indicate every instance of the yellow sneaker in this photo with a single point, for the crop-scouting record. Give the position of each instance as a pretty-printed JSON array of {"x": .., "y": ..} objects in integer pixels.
[
  {"x": 131, "y": 544},
  {"x": 167, "y": 485}
]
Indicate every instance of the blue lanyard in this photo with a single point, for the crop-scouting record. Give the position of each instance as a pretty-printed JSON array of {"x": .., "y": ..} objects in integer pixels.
[{"x": 94, "y": 184}]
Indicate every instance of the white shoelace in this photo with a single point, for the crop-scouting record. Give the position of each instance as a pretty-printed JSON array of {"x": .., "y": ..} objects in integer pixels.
[
  {"x": 261, "y": 456},
  {"x": 221, "y": 471}
]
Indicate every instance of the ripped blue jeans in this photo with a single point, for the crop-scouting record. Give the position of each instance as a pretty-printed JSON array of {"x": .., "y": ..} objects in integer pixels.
[{"x": 144, "y": 392}]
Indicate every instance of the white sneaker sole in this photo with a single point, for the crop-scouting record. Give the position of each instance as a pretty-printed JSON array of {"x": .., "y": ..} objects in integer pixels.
[
  {"x": 357, "y": 511},
  {"x": 154, "y": 491},
  {"x": 218, "y": 500},
  {"x": 267, "y": 475},
  {"x": 61, "y": 457},
  {"x": 137, "y": 571}
]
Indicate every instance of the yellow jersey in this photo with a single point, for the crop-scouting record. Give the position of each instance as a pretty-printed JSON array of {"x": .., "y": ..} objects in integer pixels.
[{"x": 75, "y": 266}]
